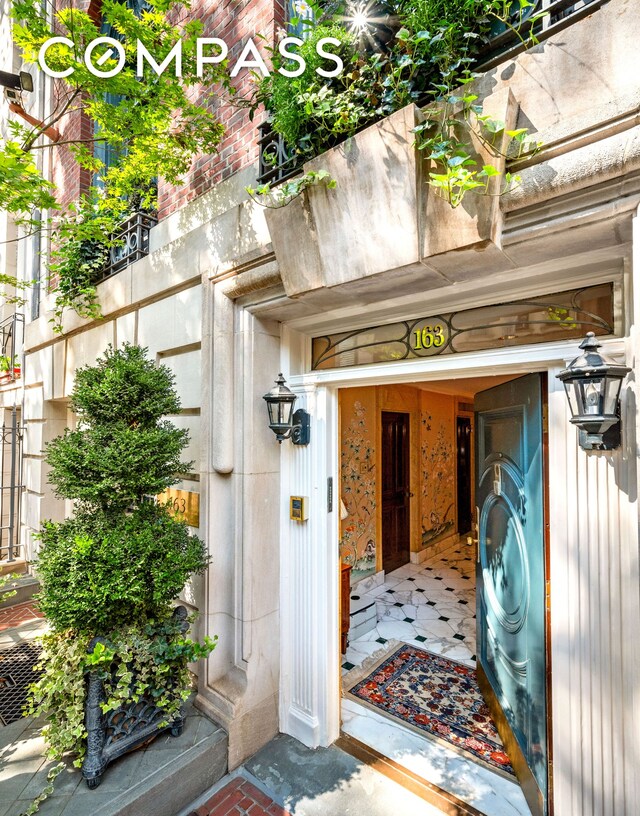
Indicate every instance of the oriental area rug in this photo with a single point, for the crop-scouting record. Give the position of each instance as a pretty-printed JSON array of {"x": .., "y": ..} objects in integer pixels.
[{"x": 435, "y": 696}]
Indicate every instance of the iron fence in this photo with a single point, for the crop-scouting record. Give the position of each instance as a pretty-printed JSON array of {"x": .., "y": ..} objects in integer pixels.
[{"x": 11, "y": 487}]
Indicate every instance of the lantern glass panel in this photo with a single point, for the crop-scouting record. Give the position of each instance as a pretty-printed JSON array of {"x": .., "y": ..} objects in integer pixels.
[
  {"x": 593, "y": 393},
  {"x": 611, "y": 396},
  {"x": 284, "y": 413},
  {"x": 279, "y": 412},
  {"x": 575, "y": 398}
]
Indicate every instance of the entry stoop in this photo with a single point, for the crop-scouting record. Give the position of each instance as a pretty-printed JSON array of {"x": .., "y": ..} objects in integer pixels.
[{"x": 159, "y": 780}]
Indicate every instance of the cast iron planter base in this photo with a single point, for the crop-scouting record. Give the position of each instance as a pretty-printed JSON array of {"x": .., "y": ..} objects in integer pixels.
[{"x": 111, "y": 735}]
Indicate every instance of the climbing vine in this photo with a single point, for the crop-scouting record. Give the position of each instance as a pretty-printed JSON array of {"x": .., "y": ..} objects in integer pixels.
[{"x": 419, "y": 51}]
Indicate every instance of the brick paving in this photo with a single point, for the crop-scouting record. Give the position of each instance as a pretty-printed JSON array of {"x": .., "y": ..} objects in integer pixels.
[
  {"x": 240, "y": 798},
  {"x": 18, "y": 615}
]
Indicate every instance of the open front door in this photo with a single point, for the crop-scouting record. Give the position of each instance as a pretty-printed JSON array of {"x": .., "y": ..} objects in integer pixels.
[{"x": 510, "y": 572}]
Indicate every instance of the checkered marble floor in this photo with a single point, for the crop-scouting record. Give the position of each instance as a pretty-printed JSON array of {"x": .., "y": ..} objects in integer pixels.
[{"x": 430, "y": 605}]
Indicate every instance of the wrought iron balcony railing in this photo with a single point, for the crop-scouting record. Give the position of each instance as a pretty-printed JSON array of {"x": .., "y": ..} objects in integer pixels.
[
  {"x": 11, "y": 486},
  {"x": 539, "y": 21},
  {"x": 277, "y": 161},
  {"x": 132, "y": 244}
]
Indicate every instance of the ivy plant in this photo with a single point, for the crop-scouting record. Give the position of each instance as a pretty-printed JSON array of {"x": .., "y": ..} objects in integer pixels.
[
  {"x": 280, "y": 196},
  {"x": 422, "y": 52}
]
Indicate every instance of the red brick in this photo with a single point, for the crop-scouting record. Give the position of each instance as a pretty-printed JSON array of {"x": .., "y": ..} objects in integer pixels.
[
  {"x": 276, "y": 810},
  {"x": 256, "y": 810},
  {"x": 226, "y": 806},
  {"x": 221, "y": 796},
  {"x": 257, "y": 795}
]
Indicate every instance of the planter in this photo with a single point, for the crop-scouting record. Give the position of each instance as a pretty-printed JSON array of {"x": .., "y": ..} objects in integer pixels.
[
  {"x": 5, "y": 377},
  {"x": 383, "y": 219},
  {"x": 118, "y": 732},
  {"x": 16, "y": 372},
  {"x": 365, "y": 226}
]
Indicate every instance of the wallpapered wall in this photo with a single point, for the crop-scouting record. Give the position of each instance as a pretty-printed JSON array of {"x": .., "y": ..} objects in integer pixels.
[
  {"x": 433, "y": 465},
  {"x": 358, "y": 480},
  {"x": 437, "y": 467}
]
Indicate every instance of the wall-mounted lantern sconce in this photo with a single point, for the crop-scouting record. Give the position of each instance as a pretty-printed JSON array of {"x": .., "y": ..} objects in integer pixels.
[
  {"x": 14, "y": 84},
  {"x": 285, "y": 424},
  {"x": 593, "y": 383}
]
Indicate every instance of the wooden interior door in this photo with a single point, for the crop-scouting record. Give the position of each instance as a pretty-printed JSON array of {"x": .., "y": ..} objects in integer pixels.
[
  {"x": 511, "y": 576},
  {"x": 396, "y": 491}
]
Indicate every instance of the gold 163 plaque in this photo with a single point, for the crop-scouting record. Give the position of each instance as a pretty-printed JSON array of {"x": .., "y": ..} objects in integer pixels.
[{"x": 184, "y": 503}]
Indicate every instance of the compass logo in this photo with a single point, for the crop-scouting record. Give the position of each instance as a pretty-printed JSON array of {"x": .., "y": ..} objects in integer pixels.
[{"x": 101, "y": 53}]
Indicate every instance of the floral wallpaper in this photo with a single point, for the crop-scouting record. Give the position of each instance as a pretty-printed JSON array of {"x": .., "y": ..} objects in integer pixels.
[
  {"x": 437, "y": 462},
  {"x": 358, "y": 489}
]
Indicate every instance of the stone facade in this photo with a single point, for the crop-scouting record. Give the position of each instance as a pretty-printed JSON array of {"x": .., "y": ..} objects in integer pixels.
[{"x": 225, "y": 300}]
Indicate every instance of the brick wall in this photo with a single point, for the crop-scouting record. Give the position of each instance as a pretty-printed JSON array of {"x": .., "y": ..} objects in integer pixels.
[
  {"x": 234, "y": 21},
  {"x": 71, "y": 180}
]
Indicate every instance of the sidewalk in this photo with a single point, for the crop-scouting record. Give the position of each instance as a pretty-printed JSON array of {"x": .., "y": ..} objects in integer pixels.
[
  {"x": 287, "y": 779},
  {"x": 156, "y": 780}
]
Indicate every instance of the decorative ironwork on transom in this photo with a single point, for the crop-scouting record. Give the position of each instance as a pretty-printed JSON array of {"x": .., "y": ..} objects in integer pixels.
[{"x": 542, "y": 319}]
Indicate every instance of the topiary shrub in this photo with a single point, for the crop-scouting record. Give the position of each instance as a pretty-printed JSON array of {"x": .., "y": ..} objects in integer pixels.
[
  {"x": 101, "y": 570},
  {"x": 111, "y": 573}
]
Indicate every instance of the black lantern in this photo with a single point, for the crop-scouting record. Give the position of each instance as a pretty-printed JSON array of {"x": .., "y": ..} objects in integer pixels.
[
  {"x": 593, "y": 383},
  {"x": 280, "y": 402}
]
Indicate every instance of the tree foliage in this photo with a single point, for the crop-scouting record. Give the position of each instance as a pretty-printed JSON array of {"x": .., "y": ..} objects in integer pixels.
[
  {"x": 121, "y": 450},
  {"x": 121, "y": 558},
  {"x": 152, "y": 126},
  {"x": 99, "y": 572}
]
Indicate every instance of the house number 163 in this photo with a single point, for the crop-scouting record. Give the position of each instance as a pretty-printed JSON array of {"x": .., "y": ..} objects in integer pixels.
[
  {"x": 179, "y": 505},
  {"x": 430, "y": 336}
]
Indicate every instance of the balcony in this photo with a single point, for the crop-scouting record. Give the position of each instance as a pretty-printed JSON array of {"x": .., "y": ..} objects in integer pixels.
[
  {"x": 506, "y": 43},
  {"x": 132, "y": 243},
  {"x": 277, "y": 162}
]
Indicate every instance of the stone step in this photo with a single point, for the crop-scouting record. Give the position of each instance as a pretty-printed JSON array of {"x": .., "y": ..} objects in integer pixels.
[
  {"x": 362, "y": 614},
  {"x": 25, "y": 588},
  {"x": 19, "y": 566},
  {"x": 331, "y": 782}
]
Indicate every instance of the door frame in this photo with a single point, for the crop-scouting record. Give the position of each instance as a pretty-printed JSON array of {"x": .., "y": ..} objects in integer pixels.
[{"x": 310, "y": 670}]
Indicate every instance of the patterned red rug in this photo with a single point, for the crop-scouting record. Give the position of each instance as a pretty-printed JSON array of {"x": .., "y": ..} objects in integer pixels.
[{"x": 429, "y": 693}]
